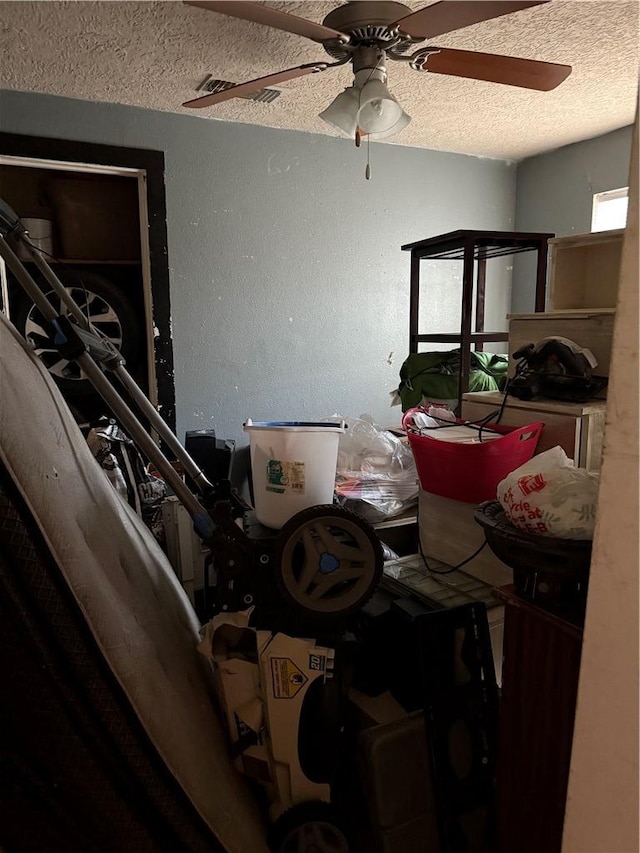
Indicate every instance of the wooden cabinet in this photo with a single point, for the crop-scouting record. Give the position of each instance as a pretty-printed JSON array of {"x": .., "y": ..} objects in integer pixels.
[
  {"x": 577, "y": 427},
  {"x": 584, "y": 270},
  {"x": 540, "y": 671},
  {"x": 592, "y": 329}
]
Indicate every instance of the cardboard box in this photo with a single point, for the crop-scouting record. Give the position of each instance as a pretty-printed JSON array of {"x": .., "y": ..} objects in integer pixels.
[
  {"x": 289, "y": 666},
  {"x": 233, "y": 649},
  {"x": 261, "y": 681},
  {"x": 449, "y": 533}
]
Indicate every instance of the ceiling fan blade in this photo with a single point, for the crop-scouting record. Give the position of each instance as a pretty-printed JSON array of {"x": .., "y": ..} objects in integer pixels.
[
  {"x": 255, "y": 85},
  {"x": 527, "y": 73},
  {"x": 448, "y": 15},
  {"x": 271, "y": 18}
]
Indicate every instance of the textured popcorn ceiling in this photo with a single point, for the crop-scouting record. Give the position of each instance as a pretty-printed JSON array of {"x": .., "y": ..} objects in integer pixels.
[{"x": 154, "y": 55}]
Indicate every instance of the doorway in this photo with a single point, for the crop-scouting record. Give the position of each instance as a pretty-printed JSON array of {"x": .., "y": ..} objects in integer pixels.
[{"x": 104, "y": 209}]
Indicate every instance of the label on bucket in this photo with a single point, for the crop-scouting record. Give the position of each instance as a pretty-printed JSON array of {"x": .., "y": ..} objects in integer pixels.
[{"x": 285, "y": 477}]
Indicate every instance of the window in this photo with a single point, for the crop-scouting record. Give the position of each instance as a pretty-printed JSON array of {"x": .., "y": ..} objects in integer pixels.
[{"x": 610, "y": 209}]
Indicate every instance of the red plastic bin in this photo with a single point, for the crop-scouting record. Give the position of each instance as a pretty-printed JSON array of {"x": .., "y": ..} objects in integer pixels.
[{"x": 470, "y": 472}]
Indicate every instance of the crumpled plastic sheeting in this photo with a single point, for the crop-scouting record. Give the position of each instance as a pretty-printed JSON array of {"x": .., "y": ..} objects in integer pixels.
[{"x": 376, "y": 472}]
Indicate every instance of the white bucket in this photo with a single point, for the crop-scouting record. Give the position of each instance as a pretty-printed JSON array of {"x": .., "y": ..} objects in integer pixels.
[{"x": 293, "y": 466}]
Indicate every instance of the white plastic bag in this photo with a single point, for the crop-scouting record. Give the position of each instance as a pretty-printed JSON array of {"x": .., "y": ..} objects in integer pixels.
[
  {"x": 550, "y": 496},
  {"x": 376, "y": 472}
]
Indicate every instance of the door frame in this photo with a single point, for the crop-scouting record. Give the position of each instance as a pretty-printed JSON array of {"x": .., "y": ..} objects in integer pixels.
[{"x": 89, "y": 156}]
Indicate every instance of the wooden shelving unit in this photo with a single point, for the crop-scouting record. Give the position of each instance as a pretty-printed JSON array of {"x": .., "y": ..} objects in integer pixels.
[{"x": 584, "y": 271}]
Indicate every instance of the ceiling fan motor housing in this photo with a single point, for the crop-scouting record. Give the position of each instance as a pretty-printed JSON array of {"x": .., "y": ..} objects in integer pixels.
[{"x": 367, "y": 23}]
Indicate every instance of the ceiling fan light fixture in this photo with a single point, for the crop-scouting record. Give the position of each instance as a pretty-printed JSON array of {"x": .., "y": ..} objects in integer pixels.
[
  {"x": 402, "y": 122},
  {"x": 379, "y": 111},
  {"x": 342, "y": 112},
  {"x": 370, "y": 107}
]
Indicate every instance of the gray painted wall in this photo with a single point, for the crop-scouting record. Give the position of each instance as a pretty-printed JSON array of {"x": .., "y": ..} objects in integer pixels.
[
  {"x": 289, "y": 291},
  {"x": 555, "y": 193}
]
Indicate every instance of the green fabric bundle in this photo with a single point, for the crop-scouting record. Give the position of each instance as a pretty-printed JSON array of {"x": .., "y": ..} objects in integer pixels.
[{"x": 434, "y": 375}]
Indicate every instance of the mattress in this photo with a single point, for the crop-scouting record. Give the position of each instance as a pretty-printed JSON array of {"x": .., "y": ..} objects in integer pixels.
[{"x": 126, "y": 606}]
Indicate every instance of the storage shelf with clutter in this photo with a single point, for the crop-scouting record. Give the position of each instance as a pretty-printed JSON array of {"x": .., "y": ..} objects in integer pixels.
[
  {"x": 583, "y": 284},
  {"x": 580, "y": 308},
  {"x": 539, "y": 532}
]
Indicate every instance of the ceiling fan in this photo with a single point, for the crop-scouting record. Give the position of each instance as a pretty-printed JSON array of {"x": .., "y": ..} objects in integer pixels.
[{"x": 369, "y": 32}]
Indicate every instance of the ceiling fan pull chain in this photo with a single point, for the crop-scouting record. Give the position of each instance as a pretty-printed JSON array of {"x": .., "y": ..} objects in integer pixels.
[{"x": 367, "y": 171}]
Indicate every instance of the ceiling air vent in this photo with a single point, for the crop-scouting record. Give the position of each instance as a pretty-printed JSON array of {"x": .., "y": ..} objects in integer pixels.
[{"x": 211, "y": 85}]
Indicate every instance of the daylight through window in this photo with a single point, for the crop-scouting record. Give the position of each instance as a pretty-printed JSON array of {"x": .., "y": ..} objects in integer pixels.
[{"x": 610, "y": 209}]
